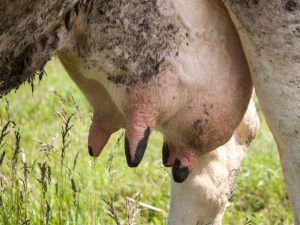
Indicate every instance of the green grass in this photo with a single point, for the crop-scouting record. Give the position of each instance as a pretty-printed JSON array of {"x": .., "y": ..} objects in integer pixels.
[
  {"x": 39, "y": 186},
  {"x": 260, "y": 196}
]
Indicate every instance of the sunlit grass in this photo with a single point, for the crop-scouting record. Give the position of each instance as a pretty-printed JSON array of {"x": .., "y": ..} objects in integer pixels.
[{"x": 41, "y": 189}]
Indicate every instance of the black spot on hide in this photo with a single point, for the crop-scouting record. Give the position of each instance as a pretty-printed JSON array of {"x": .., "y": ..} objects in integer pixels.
[
  {"x": 68, "y": 20},
  {"x": 290, "y": 5}
]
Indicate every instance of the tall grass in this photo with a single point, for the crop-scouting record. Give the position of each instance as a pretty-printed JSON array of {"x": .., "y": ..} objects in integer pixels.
[{"x": 47, "y": 177}]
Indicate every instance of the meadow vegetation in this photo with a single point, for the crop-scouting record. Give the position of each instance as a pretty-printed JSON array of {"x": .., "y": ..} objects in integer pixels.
[{"x": 47, "y": 176}]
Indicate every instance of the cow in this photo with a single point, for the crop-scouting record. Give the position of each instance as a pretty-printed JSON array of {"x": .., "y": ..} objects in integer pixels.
[{"x": 147, "y": 49}]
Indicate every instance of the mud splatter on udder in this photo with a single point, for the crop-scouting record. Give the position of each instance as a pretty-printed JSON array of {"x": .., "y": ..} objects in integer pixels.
[{"x": 132, "y": 38}]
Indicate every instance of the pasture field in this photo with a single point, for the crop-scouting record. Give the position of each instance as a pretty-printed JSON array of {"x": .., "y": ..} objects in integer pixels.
[{"x": 47, "y": 176}]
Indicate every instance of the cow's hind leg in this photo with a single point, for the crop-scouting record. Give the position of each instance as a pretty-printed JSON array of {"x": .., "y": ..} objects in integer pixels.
[
  {"x": 280, "y": 101},
  {"x": 203, "y": 197},
  {"x": 271, "y": 41}
]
